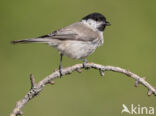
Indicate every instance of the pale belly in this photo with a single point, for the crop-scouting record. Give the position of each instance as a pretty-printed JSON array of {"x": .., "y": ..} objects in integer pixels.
[{"x": 77, "y": 49}]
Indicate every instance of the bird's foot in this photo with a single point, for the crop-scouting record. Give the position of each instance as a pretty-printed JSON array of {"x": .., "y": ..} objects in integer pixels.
[{"x": 85, "y": 61}]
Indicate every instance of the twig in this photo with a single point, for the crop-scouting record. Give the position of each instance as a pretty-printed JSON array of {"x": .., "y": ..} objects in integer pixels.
[{"x": 37, "y": 87}]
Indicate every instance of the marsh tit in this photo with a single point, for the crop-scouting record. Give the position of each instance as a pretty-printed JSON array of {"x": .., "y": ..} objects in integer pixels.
[{"x": 77, "y": 40}]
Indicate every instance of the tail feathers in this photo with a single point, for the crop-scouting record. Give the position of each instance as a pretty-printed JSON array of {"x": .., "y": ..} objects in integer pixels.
[{"x": 38, "y": 40}]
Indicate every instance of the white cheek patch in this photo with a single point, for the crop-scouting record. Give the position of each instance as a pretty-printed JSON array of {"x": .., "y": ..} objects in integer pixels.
[{"x": 93, "y": 24}]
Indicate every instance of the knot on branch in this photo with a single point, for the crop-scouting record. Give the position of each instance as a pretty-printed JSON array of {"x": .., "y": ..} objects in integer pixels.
[
  {"x": 102, "y": 73},
  {"x": 137, "y": 82},
  {"x": 150, "y": 92},
  {"x": 33, "y": 92},
  {"x": 19, "y": 113},
  {"x": 79, "y": 70}
]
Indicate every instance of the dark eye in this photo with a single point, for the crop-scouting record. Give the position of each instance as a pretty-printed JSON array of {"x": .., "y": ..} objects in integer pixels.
[{"x": 96, "y": 19}]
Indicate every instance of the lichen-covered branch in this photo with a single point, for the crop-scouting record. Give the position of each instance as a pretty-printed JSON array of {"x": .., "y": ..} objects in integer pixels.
[{"x": 36, "y": 88}]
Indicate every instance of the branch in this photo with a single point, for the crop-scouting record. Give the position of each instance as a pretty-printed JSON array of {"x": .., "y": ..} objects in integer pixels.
[{"x": 36, "y": 88}]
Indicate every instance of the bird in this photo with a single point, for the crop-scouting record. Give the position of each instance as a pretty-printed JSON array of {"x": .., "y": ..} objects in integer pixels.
[{"x": 76, "y": 41}]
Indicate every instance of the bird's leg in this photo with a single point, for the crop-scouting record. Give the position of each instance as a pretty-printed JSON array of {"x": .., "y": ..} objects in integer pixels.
[
  {"x": 60, "y": 66},
  {"x": 85, "y": 61}
]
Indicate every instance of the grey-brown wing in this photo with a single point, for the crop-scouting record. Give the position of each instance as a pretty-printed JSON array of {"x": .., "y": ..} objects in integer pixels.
[{"x": 76, "y": 31}]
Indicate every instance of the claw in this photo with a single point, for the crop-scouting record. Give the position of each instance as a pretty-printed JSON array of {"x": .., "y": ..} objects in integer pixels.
[{"x": 85, "y": 61}]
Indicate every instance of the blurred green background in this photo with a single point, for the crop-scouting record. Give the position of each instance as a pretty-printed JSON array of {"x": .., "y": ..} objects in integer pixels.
[{"x": 130, "y": 42}]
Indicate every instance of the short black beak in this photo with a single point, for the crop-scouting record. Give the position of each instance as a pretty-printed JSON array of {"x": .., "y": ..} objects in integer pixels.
[{"x": 107, "y": 23}]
